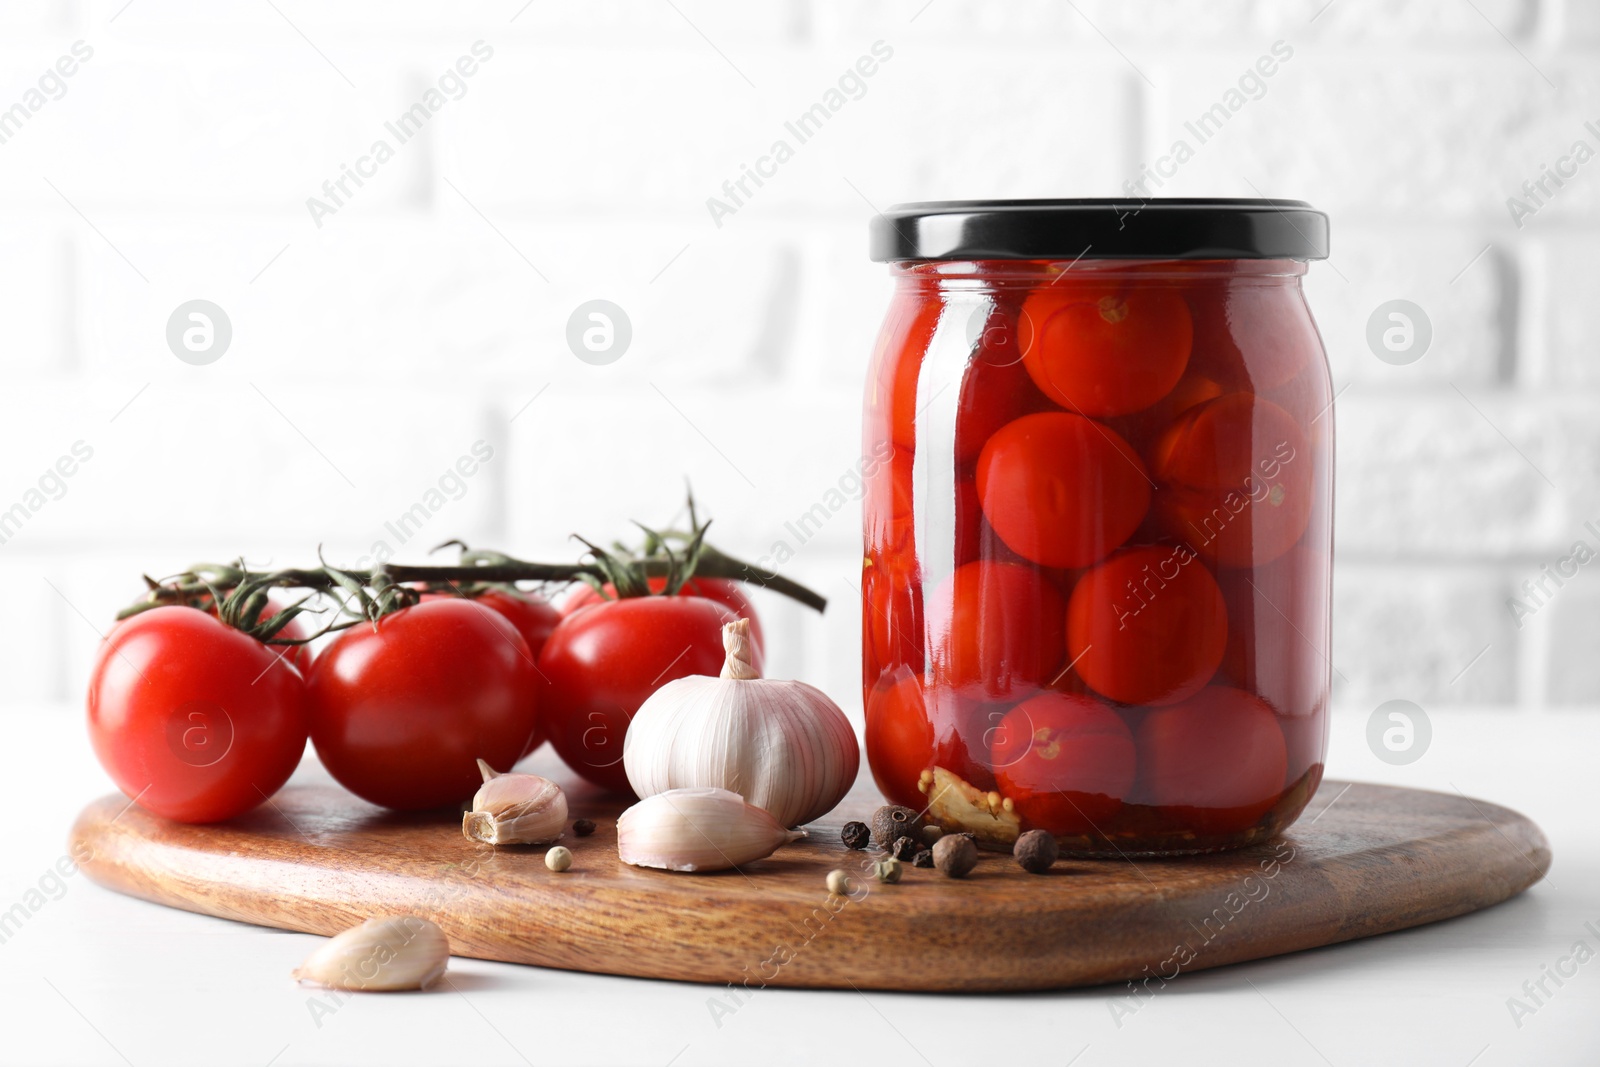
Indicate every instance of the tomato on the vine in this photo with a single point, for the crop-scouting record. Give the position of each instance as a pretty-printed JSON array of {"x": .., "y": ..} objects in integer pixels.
[
  {"x": 1066, "y": 761},
  {"x": 602, "y": 663},
  {"x": 295, "y": 629},
  {"x": 1060, "y": 489},
  {"x": 725, "y": 591},
  {"x": 402, "y": 709},
  {"x": 195, "y": 720},
  {"x": 1218, "y": 759},
  {"x": 300, "y": 655},
  {"x": 533, "y": 617},
  {"x": 1102, "y": 352}
]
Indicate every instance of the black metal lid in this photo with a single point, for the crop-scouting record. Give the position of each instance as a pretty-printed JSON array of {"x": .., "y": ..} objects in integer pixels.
[{"x": 1100, "y": 229}]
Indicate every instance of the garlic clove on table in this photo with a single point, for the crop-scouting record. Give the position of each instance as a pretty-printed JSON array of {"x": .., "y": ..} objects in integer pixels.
[
  {"x": 697, "y": 830},
  {"x": 383, "y": 954},
  {"x": 783, "y": 746},
  {"x": 515, "y": 809}
]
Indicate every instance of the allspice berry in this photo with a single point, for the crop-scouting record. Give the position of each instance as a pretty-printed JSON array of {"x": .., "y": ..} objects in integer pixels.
[
  {"x": 931, "y": 833},
  {"x": 923, "y": 858},
  {"x": 855, "y": 835},
  {"x": 904, "y": 848},
  {"x": 892, "y": 822},
  {"x": 955, "y": 855},
  {"x": 1035, "y": 851},
  {"x": 583, "y": 827}
]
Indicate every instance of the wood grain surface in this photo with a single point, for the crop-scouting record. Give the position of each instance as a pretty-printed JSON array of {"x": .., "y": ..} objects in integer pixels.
[{"x": 1362, "y": 860}]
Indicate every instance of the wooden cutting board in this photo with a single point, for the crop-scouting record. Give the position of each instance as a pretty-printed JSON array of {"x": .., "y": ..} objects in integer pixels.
[{"x": 1363, "y": 860}]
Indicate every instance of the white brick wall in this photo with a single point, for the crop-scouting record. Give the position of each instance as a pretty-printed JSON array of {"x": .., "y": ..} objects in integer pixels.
[{"x": 409, "y": 325}]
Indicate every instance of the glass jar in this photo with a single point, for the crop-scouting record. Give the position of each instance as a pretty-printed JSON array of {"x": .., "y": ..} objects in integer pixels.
[{"x": 1098, "y": 522}]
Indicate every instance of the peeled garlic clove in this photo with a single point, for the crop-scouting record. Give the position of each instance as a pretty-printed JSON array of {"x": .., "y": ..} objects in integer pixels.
[
  {"x": 515, "y": 809},
  {"x": 953, "y": 801},
  {"x": 381, "y": 955},
  {"x": 697, "y": 830}
]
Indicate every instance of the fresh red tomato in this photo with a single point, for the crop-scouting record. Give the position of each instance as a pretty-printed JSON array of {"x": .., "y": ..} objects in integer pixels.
[
  {"x": 1060, "y": 489},
  {"x": 995, "y": 387},
  {"x": 299, "y": 655},
  {"x": 996, "y": 630},
  {"x": 730, "y": 594},
  {"x": 1147, "y": 626},
  {"x": 899, "y": 737},
  {"x": 195, "y": 720},
  {"x": 1066, "y": 762},
  {"x": 295, "y": 629},
  {"x": 1216, "y": 761},
  {"x": 534, "y": 618},
  {"x": 1236, "y": 480},
  {"x": 402, "y": 710},
  {"x": 1100, "y": 351},
  {"x": 603, "y": 662}
]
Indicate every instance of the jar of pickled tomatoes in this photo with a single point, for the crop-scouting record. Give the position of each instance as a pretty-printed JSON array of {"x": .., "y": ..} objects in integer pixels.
[{"x": 1098, "y": 522}]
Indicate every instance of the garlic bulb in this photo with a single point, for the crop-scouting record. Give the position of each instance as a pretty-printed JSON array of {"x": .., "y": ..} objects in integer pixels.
[
  {"x": 381, "y": 955},
  {"x": 515, "y": 809},
  {"x": 783, "y": 746},
  {"x": 697, "y": 830}
]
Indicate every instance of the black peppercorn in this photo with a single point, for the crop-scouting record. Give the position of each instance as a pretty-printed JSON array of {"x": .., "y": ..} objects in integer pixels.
[
  {"x": 892, "y": 822},
  {"x": 583, "y": 827},
  {"x": 1035, "y": 851},
  {"x": 904, "y": 848},
  {"x": 923, "y": 858},
  {"x": 855, "y": 835},
  {"x": 955, "y": 855}
]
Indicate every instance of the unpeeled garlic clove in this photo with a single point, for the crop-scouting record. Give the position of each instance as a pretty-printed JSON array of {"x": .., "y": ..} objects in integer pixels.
[
  {"x": 383, "y": 954},
  {"x": 515, "y": 809},
  {"x": 697, "y": 830}
]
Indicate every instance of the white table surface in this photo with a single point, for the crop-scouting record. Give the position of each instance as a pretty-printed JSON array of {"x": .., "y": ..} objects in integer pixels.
[{"x": 94, "y": 977}]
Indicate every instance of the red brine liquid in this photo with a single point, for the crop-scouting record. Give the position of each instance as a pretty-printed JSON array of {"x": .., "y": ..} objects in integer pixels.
[{"x": 1097, "y": 551}]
